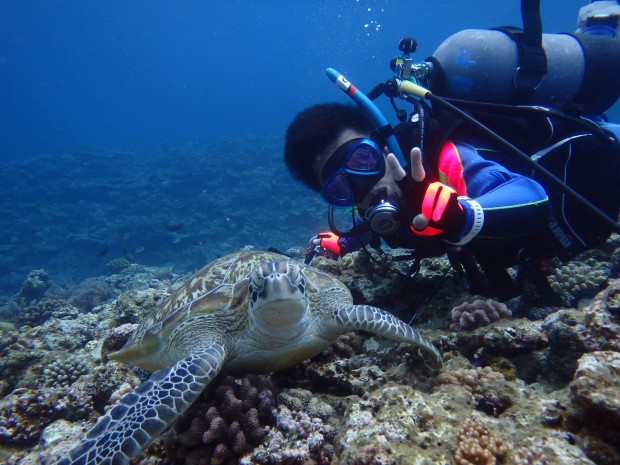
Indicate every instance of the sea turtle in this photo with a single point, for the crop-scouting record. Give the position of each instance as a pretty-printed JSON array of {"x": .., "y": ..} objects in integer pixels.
[{"x": 251, "y": 312}]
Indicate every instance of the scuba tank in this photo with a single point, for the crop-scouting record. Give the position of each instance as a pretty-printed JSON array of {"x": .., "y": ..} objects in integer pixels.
[
  {"x": 583, "y": 71},
  {"x": 578, "y": 73}
]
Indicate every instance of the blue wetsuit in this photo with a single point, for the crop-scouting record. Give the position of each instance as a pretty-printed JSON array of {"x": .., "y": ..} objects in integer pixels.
[{"x": 513, "y": 205}]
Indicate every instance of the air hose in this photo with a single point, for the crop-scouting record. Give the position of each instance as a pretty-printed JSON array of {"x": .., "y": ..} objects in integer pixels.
[{"x": 410, "y": 88}]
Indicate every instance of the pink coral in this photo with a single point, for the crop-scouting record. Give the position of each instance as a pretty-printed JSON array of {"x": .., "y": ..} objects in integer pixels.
[
  {"x": 230, "y": 420},
  {"x": 471, "y": 315},
  {"x": 478, "y": 445}
]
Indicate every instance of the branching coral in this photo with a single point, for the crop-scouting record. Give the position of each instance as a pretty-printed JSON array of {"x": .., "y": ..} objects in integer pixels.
[
  {"x": 478, "y": 446},
  {"x": 232, "y": 418},
  {"x": 471, "y": 315}
]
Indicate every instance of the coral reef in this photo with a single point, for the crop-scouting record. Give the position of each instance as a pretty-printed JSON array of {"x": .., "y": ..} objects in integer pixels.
[
  {"x": 297, "y": 438},
  {"x": 470, "y": 315},
  {"x": 582, "y": 276},
  {"x": 571, "y": 333},
  {"x": 595, "y": 389},
  {"x": 409, "y": 290},
  {"x": 303, "y": 400},
  {"x": 478, "y": 446},
  {"x": 24, "y": 413},
  {"x": 132, "y": 305},
  {"x": 90, "y": 293},
  {"x": 39, "y": 312},
  {"x": 128, "y": 199},
  {"x": 66, "y": 371},
  {"x": 16, "y": 354},
  {"x": 533, "y": 455},
  {"x": 229, "y": 420},
  {"x": 117, "y": 265},
  {"x": 488, "y": 387},
  {"x": 117, "y": 338},
  {"x": 473, "y": 380},
  {"x": 33, "y": 288},
  {"x": 545, "y": 389}
]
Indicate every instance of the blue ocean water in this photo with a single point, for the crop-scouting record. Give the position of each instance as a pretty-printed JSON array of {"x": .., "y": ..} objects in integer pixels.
[
  {"x": 77, "y": 73},
  {"x": 120, "y": 117}
]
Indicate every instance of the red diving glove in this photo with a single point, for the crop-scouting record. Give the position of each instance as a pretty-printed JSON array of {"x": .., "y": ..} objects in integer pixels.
[
  {"x": 326, "y": 244},
  {"x": 328, "y": 241},
  {"x": 440, "y": 212}
]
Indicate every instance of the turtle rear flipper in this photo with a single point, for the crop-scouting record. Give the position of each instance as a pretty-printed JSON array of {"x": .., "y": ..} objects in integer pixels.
[
  {"x": 384, "y": 324},
  {"x": 141, "y": 416}
]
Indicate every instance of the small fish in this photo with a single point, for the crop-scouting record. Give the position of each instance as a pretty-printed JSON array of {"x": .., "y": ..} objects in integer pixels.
[
  {"x": 174, "y": 226},
  {"x": 103, "y": 252}
]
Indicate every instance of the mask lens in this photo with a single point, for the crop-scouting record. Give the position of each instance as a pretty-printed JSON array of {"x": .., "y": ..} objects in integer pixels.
[
  {"x": 365, "y": 158},
  {"x": 337, "y": 190},
  {"x": 351, "y": 171}
]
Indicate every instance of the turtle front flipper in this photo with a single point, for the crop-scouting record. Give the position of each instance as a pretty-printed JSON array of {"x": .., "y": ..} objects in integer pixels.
[
  {"x": 379, "y": 322},
  {"x": 141, "y": 416}
]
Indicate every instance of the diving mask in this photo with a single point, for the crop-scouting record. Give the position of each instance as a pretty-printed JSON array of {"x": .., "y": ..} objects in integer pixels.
[{"x": 349, "y": 174}]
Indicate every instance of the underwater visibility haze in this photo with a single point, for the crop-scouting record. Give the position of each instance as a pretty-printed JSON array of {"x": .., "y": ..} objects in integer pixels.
[
  {"x": 142, "y": 140},
  {"x": 120, "y": 119}
]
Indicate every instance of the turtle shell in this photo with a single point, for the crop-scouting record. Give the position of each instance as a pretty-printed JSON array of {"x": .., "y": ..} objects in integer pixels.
[{"x": 221, "y": 287}]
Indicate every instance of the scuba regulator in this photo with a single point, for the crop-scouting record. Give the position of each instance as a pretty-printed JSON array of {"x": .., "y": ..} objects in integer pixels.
[
  {"x": 577, "y": 73},
  {"x": 383, "y": 215}
]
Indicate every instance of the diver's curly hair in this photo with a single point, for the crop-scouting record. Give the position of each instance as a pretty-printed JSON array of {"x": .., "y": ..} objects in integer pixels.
[{"x": 312, "y": 130}]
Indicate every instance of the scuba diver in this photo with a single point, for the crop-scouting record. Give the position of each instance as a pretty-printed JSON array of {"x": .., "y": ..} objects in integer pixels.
[{"x": 512, "y": 162}]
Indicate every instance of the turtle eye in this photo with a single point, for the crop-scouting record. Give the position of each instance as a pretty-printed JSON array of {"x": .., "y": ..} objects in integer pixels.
[
  {"x": 293, "y": 272},
  {"x": 257, "y": 279}
]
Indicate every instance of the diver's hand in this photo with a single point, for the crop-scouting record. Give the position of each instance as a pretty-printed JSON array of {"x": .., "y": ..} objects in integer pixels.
[
  {"x": 394, "y": 166},
  {"x": 420, "y": 221},
  {"x": 324, "y": 243},
  {"x": 327, "y": 241},
  {"x": 440, "y": 211},
  {"x": 415, "y": 161}
]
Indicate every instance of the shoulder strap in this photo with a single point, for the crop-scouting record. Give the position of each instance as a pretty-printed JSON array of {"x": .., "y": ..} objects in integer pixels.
[{"x": 532, "y": 58}]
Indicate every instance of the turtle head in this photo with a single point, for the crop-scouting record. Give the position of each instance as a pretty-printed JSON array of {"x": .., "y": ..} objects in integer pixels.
[{"x": 278, "y": 299}]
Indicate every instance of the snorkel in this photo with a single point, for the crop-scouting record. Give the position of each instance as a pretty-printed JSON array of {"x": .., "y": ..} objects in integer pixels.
[{"x": 384, "y": 128}]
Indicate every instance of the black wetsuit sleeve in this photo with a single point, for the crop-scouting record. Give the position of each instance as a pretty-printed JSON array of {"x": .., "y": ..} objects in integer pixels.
[{"x": 513, "y": 204}]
